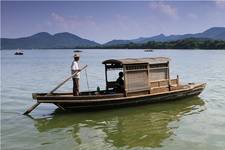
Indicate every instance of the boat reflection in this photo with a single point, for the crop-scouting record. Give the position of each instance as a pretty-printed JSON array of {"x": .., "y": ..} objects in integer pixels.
[{"x": 142, "y": 126}]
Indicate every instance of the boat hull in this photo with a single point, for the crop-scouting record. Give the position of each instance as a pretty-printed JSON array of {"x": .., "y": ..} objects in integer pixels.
[
  {"x": 18, "y": 53},
  {"x": 65, "y": 101}
]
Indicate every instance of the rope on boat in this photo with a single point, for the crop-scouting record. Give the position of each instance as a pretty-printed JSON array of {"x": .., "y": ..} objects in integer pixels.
[
  {"x": 87, "y": 80},
  {"x": 96, "y": 77}
]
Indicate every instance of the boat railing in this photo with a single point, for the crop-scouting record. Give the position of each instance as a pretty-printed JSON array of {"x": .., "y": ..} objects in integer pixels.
[
  {"x": 164, "y": 85},
  {"x": 165, "y": 82},
  {"x": 159, "y": 83}
]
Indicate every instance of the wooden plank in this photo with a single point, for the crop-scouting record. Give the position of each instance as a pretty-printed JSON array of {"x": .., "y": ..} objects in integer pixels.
[
  {"x": 160, "y": 89},
  {"x": 178, "y": 80},
  {"x": 137, "y": 70},
  {"x": 168, "y": 76},
  {"x": 138, "y": 89},
  {"x": 158, "y": 80},
  {"x": 149, "y": 85},
  {"x": 106, "y": 78},
  {"x": 125, "y": 80},
  {"x": 159, "y": 68},
  {"x": 146, "y": 92}
]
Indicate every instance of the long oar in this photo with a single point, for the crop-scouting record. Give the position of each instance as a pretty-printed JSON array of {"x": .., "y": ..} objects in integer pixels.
[
  {"x": 52, "y": 91},
  {"x": 31, "y": 108}
]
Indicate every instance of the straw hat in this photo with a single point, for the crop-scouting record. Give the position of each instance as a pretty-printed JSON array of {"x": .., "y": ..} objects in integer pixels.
[{"x": 76, "y": 55}]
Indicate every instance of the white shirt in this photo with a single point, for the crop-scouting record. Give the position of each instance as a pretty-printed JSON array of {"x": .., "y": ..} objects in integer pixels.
[{"x": 74, "y": 68}]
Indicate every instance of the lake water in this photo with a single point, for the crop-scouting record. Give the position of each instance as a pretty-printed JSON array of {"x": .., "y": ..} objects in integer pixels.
[{"x": 194, "y": 123}]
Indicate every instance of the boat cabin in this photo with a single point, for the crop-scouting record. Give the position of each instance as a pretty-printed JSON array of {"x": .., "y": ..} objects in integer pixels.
[{"x": 141, "y": 75}]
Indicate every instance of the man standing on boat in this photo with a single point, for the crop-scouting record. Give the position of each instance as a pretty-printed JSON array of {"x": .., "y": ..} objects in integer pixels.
[{"x": 76, "y": 77}]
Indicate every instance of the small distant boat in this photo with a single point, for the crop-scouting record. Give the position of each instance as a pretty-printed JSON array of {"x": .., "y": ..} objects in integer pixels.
[
  {"x": 18, "y": 52},
  {"x": 148, "y": 50},
  {"x": 77, "y": 51}
]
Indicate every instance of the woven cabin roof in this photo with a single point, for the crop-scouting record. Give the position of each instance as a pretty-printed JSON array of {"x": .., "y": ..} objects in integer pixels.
[{"x": 149, "y": 60}]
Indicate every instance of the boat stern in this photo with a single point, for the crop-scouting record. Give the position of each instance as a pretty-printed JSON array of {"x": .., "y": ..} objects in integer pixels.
[{"x": 34, "y": 95}]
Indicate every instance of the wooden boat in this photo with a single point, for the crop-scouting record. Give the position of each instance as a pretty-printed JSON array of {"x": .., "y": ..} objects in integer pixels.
[
  {"x": 77, "y": 51},
  {"x": 18, "y": 52},
  {"x": 148, "y": 50},
  {"x": 146, "y": 80}
]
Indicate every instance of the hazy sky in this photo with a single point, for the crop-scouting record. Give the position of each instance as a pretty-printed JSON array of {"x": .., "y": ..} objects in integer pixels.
[{"x": 104, "y": 21}]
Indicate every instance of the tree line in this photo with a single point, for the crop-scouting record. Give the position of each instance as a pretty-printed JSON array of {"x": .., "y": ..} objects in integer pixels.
[{"x": 191, "y": 43}]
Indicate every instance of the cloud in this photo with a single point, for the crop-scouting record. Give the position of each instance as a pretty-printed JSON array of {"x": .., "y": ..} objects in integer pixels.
[
  {"x": 220, "y": 3},
  {"x": 72, "y": 22},
  {"x": 164, "y": 8},
  {"x": 57, "y": 17},
  {"x": 125, "y": 24},
  {"x": 192, "y": 16}
]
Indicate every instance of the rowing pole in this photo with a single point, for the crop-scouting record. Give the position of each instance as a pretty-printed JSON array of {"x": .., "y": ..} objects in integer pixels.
[{"x": 52, "y": 91}]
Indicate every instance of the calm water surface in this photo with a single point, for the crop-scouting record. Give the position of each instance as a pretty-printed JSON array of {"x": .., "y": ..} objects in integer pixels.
[{"x": 194, "y": 123}]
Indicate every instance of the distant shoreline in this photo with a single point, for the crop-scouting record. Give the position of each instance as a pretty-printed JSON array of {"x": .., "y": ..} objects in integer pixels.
[
  {"x": 188, "y": 44},
  {"x": 110, "y": 49},
  {"x": 212, "y": 38}
]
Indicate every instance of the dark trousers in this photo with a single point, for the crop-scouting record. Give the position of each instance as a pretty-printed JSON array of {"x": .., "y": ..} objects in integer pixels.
[{"x": 76, "y": 86}]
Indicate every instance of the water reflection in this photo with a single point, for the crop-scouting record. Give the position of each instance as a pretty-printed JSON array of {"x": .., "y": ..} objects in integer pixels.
[{"x": 142, "y": 126}]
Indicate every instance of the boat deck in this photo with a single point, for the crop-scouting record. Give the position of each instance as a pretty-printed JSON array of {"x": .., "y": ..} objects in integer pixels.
[{"x": 68, "y": 97}]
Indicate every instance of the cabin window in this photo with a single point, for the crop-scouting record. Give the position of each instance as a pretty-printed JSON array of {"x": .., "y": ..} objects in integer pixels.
[
  {"x": 136, "y": 67},
  {"x": 137, "y": 80},
  {"x": 137, "y": 77},
  {"x": 158, "y": 65},
  {"x": 113, "y": 74},
  {"x": 158, "y": 72}
]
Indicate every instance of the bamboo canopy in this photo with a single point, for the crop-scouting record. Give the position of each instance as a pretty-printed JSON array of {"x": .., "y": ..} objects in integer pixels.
[
  {"x": 149, "y": 60},
  {"x": 139, "y": 72}
]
